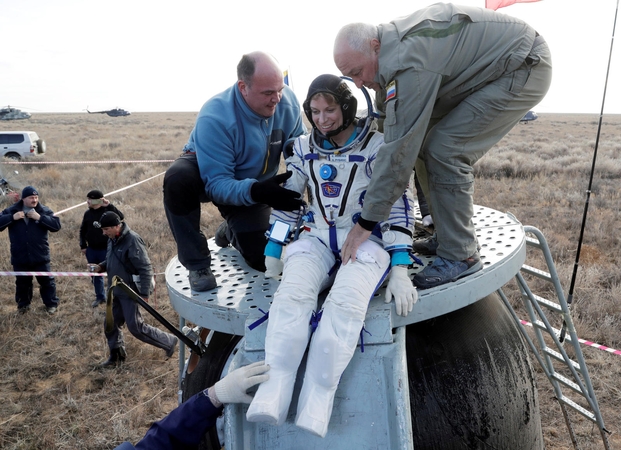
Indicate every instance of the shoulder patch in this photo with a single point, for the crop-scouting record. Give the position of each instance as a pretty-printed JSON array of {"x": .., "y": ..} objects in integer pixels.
[{"x": 391, "y": 90}]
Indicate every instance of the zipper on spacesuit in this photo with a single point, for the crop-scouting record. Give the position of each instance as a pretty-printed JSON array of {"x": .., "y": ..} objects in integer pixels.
[
  {"x": 352, "y": 175},
  {"x": 317, "y": 192}
]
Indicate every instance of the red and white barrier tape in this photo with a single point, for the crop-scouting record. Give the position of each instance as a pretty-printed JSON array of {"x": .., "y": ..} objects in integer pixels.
[
  {"x": 55, "y": 274},
  {"x": 61, "y": 274},
  {"x": 73, "y": 274},
  {"x": 92, "y": 162},
  {"x": 587, "y": 343},
  {"x": 110, "y": 193}
]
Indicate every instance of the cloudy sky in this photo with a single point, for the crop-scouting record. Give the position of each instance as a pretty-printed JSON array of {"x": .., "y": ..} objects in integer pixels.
[{"x": 65, "y": 55}]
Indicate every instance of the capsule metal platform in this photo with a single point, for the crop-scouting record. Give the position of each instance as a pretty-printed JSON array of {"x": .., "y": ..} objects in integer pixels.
[
  {"x": 243, "y": 293},
  {"x": 243, "y": 296}
]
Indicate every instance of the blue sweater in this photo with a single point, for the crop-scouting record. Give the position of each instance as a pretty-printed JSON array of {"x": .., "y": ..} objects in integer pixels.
[{"x": 236, "y": 147}]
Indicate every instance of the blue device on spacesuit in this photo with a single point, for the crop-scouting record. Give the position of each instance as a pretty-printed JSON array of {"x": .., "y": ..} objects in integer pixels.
[{"x": 327, "y": 172}]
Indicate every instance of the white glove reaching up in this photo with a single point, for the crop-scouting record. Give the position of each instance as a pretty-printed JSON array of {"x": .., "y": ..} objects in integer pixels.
[
  {"x": 427, "y": 221},
  {"x": 273, "y": 267},
  {"x": 232, "y": 388},
  {"x": 401, "y": 288}
]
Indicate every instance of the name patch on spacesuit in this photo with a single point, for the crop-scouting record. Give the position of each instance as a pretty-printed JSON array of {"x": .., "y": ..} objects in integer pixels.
[
  {"x": 339, "y": 158},
  {"x": 331, "y": 190}
]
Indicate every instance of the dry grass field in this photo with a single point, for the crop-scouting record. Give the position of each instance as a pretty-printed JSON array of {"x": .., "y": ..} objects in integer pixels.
[{"x": 54, "y": 397}]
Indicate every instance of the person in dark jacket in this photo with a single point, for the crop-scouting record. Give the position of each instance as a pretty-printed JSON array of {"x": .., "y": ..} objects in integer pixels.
[
  {"x": 92, "y": 241},
  {"x": 28, "y": 222},
  {"x": 186, "y": 425},
  {"x": 126, "y": 257}
]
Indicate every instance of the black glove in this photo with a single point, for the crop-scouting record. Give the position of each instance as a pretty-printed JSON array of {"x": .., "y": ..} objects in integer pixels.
[{"x": 271, "y": 193}]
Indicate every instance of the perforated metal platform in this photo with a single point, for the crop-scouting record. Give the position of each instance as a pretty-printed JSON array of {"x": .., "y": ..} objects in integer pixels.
[{"x": 243, "y": 292}]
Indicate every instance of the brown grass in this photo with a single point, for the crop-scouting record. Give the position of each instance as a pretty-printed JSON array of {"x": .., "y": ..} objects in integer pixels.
[{"x": 53, "y": 397}]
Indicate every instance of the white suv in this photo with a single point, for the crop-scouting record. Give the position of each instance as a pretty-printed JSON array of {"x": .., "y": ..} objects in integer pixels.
[{"x": 20, "y": 144}]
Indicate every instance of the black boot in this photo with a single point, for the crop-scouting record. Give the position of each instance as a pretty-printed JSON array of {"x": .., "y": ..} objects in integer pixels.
[{"x": 117, "y": 357}]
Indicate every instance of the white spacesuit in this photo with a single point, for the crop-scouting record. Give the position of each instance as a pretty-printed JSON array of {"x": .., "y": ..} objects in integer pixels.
[{"x": 336, "y": 182}]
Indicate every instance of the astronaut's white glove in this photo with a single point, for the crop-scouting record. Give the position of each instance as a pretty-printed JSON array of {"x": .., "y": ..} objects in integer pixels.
[
  {"x": 273, "y": 267},
  {"x": 427, "y": 221},
  {"x": 401, "y": 288},
  {"x": 232, "y": 388}
]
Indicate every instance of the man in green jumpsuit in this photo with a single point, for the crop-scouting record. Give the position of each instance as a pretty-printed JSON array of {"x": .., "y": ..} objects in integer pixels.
[{"x": 453, "y": 81}]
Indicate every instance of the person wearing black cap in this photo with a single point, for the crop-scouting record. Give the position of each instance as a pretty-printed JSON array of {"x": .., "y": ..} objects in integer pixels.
[
  {"x": 28, "y": 222},
  {"x": 126, "y": 257},
  {"x": 92, "y": 242}
]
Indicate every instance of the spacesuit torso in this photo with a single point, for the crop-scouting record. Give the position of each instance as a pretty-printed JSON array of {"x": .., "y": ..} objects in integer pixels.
[{"x": 336, "y": 184}]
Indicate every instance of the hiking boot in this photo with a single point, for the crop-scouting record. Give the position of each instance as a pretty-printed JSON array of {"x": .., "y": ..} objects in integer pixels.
[
  {"x": 171, "y": 351},
  {"x": 117, "y": 357},
  {"x": 23, "y": 309},
  {"x": 445, "y": 270},
  {"x": 220, "y": 237},
  {"x": 202, "y": 280},
  {"x": 51, "y": 310},
  {"x": 97, "y": 302},
  {"x": 427, "y": 246}
]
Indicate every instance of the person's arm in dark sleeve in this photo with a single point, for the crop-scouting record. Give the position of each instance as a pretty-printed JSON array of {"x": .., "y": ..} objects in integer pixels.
[
  {"x": 49, "y": 220},
  {"x": 184, "y": 427},
  {"x": 83, "y": 229},
  {"x": 6, "y": 217}
]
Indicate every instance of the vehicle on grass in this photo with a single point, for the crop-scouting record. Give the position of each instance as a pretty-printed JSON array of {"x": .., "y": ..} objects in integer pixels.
[{"x": 21, "y": 144}]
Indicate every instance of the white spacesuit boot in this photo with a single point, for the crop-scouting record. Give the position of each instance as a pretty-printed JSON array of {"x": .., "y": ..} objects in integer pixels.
[
  {"x": 335, "y": 341},
  {"x": 286, "y": 340}
]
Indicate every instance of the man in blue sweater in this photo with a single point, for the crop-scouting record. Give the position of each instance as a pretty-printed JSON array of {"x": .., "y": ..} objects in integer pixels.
[{"x": 231, "y": 159}]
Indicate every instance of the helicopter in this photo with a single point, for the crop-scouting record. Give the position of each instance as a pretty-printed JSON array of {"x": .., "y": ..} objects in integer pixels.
[
  {"x": 10, "y": 113},
  {"x": 529, "y": 117},
  {"x": 116, "y": 112}
]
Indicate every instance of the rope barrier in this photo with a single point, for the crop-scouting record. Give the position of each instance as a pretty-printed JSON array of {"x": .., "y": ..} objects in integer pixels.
[
  {"x": 54, "y": 274},
  {"x": 587, "y": 343},
  {"x": 91, "y": 162},
  {"x": 110, "y": 193},
  {"x": 60, "y": 274}
]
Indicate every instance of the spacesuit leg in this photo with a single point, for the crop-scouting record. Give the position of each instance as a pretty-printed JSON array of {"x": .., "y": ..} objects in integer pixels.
[
  {"x": 305, "y": 274},
  {"x": 336, "y": 337}
]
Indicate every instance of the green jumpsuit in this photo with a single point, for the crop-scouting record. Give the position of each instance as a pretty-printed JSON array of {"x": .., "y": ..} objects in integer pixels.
[{"x": 454, "y": 81}]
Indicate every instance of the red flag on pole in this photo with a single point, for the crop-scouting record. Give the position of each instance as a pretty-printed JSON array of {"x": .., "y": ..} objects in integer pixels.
[{"x": 495, "y": 4}]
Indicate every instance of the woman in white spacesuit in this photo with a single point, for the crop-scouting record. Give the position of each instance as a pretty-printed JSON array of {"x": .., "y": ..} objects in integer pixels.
[{"x": 334, "y": 164}]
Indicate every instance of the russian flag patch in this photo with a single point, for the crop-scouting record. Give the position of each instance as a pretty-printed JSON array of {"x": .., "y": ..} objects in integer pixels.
[{"x": 391, "y": 90}]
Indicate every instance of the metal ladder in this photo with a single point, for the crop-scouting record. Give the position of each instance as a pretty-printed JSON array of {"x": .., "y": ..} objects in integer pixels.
[{"x": 576, "y": 380}]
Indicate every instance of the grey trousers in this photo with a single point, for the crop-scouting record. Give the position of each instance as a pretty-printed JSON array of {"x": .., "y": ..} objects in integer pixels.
[
  {"x": 126, "y": 311},
  {"x": 459, "y": 139}
]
